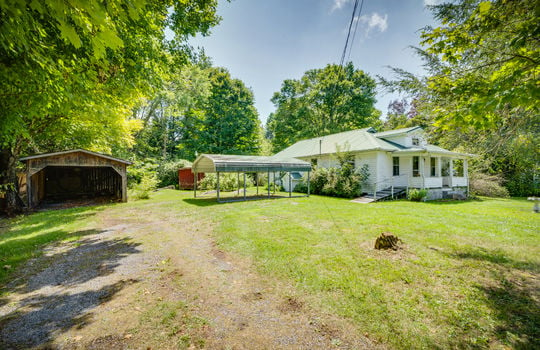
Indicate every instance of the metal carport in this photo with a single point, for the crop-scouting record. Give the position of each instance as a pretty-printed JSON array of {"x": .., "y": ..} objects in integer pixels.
[{"x": 222, "y": 163}]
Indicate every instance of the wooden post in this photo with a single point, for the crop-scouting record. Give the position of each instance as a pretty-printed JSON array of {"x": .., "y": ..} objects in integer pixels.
[
  {"x": 124, "y": 185},
  {"x": 29, "y": 187}
]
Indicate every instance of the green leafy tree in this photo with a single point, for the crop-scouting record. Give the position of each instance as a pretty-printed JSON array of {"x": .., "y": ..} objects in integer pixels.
[
  {"x": 70, "y": 71},
  {"x": 480, "y": 94},
  {"x": 322, "y": 102}
]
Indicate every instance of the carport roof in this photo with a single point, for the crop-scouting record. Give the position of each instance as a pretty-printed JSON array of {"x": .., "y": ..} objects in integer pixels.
[
  {"x": 210, "y": 163},
  {"x": 44, "y": 155}
]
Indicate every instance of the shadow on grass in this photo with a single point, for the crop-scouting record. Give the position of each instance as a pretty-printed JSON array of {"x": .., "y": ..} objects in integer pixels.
[
  {"x": 517, "y": 310},
  {"x": 495, "y": 257},
  {"x": 513, "y": 298},
  {"x": 205, "y": 202},
  {"x": 23, "y": 237},
  {"x": 59, "y": 290},
  {"x": 454, "y": 201}
]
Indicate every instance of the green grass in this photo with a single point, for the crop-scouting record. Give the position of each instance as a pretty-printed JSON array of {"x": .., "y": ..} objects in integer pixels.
[
  {"x": 467, "y": 277},
  {"x": 24, "y": 237}
]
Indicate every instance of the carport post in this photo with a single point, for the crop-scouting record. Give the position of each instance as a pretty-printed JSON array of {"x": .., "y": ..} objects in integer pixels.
[
  {"x": 195, "y": 185},
  {"x": 290, "y": 185},
  {"x": 218, "y": 186},
  {"x": 237, "y": 183},
  {"x": 308, "y": 183},
  {"x": 268, "y": 183},
  {"x": 257, "y": 182},
  {"x": 244, "y": 186}
]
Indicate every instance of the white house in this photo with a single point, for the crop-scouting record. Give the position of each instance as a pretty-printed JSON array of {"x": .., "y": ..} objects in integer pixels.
[{"x": 397, "y": 159}]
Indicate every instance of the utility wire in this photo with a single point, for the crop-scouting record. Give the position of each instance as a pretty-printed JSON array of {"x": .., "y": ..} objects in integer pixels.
[
  {"x": 344, "y": 53},
  {"x": 355, "y": 28}
]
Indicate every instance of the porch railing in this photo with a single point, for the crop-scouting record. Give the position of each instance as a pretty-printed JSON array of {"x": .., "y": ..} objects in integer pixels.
[{"x": 390, "y": 182}]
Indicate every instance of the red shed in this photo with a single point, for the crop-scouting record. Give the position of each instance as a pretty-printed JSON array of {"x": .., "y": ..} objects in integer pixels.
[{"x": 185, "y": 178}]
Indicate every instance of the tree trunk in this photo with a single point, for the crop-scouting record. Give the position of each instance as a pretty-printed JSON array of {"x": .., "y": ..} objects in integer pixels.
[{"x": 9, "y": 181}]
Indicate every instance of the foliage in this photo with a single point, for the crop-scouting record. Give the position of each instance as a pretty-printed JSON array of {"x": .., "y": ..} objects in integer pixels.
[
  {"x": 343, "y": 181},
  {"x": 417, "y": 195},
  {"x": 167, "y": 172},
  {"x": 227, "y": 182},
  {"x": 322, "y": 102},
  {"x": 147, "y": 184},
  {"x": 480, "y": 92},
  {"x": 487, "y": 185},
  {"x": 70, "y": 72},
  {"x": 201, "y": 109}
]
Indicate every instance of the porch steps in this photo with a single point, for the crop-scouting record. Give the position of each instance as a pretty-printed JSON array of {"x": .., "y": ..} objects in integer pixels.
[{"x": 385, "y": 194}]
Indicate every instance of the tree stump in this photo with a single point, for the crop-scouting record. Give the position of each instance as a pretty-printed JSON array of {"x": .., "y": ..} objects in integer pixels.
[{"x": 387, "y": 241}]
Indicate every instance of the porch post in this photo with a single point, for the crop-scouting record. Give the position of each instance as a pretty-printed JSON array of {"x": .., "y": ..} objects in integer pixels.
[
  {"x": 308, "y": 183},
  {"x": 290, "y": 185},
  {"x": 439, "y": 165},
  {"x": 423, "y": 170},
  {"x": 451, "y": 172}
]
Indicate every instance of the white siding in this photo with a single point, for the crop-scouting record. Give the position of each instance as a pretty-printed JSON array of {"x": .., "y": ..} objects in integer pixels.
[{"x": 370, "y": 159}]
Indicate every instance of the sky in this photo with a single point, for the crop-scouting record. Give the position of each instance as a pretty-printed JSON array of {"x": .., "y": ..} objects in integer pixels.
[{"x": 264, "y": 42}]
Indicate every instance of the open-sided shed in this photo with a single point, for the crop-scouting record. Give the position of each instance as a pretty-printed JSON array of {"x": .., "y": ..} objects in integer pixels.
[
  {"x": 222, "y": 163},
  {"x": 74, "y": 174}
]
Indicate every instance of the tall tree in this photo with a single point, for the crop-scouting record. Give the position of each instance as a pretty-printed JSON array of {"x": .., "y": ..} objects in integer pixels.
[
  {"x": 481, "y": 90},
  {"x": 201, "y": 110},
  {"x": 322, "y": 102},
  {"x": 71, "y": 70},
  {"x": 229, "y": 124}
]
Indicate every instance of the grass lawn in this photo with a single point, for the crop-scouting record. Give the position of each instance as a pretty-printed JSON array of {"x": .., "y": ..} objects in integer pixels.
[{"x": 468, "y": 275}]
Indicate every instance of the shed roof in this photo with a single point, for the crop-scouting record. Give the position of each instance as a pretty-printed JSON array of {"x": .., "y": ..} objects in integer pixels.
[
  {"x": 209, "y": 163},
  {"x": 354, "y": 140},
  {"x": 44, "y": 155}
]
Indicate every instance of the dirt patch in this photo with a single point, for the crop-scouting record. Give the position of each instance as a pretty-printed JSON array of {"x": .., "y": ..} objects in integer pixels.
[{"x": 291, "y": 304}]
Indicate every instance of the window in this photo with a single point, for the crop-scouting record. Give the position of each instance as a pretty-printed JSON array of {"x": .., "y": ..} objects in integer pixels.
[
  {"x": 415, "y": 141},
  {"x": 433, "y": 167},
  {"x": 415, "y": 166},
  {"x": 395, "y": 166}
]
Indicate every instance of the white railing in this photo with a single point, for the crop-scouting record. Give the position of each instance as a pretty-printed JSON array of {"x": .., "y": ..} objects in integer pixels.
[{"x": 390, "y": 182}]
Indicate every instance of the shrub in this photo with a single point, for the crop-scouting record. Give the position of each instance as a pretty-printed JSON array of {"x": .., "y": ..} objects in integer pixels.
[
  {"x": 148, "y": 184},
  {"x": 416, "y": 195},
  {"x": 167, "y": 172},
  {"x": 139, "y": 169},
  {"x": 335, "y": 182},
  {"x": 487, "y": 185},
  {"x": 227, "y": 182}
]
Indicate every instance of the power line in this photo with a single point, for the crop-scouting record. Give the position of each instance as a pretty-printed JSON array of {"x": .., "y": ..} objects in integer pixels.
[
  {"x": 348, "y": 34},
  {"x": 355, "y": 28}
]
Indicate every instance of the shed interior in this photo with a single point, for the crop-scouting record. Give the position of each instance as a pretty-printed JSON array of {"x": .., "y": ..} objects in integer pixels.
[{"x": 59, "y": 183}]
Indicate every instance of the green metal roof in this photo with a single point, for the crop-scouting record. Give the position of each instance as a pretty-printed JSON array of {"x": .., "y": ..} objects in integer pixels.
[
  {"x": 354, "y": 141},
  {"x": 210, "y": 163},
  {"x": 361, "y": 140},
  {"x": 396, "y": 132}
]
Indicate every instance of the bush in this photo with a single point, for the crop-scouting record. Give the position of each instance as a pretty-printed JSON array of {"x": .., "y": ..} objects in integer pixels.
[
  {"x": 148, "y": 184},
  {"x": 417, "y": 195},
  {"x": 140, "y": 169},
  {"x": 227, "y": 182},
  {"x": 336, "y": 182},
  {"x": 167, "y": 172},
  {"x": 487, "y": 185}
]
